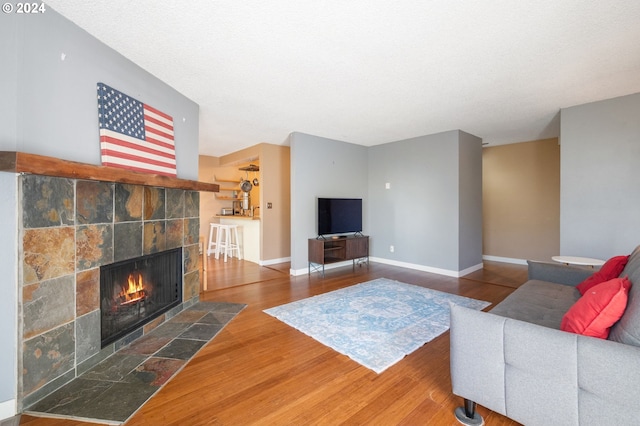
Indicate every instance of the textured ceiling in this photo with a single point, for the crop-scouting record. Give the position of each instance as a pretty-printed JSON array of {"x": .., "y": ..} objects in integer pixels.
[{"x": 372, "y": 71}]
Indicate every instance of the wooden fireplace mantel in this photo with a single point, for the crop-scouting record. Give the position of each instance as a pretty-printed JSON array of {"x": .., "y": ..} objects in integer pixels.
[{"x": 20, "y": 162}]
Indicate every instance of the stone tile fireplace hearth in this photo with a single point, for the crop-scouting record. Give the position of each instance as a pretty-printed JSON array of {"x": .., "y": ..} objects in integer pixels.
[
  {"x": 69, "y": 229},
  {"x": 114, "y": 389}
]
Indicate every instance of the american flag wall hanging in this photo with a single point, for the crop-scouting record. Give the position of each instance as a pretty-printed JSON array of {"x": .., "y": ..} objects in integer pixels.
[{"x": 133, "y": 135}]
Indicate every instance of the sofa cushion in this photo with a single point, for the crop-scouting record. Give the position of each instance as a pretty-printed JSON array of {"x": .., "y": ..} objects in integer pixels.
[
  {"x": 627, "y": 330},
  {"x": 598, "y": 309},
  {"x": 538, "y": 302},
  {"x": 610, "y": 270}
]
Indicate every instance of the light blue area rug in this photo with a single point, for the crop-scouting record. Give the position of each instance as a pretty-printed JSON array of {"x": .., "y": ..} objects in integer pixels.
[{"x": 376, "y": 323}]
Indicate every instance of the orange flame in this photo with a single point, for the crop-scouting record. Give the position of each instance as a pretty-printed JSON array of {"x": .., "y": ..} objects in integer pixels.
[
  {"x": 134, "y": 290},
  {"x": 133, "y": 287}
]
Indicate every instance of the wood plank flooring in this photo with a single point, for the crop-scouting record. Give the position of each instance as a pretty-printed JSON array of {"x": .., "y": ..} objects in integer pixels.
[{"x": 259, "y": 371}]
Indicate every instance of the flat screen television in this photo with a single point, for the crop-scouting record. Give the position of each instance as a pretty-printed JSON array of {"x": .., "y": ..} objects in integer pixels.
[{"x": 339, "y": 215}]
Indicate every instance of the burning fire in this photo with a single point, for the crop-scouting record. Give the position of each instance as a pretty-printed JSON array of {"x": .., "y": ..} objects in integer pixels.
[{"x": 133, "y": 291}]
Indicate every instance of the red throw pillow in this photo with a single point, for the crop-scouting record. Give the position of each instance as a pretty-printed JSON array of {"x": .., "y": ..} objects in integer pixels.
[
  {"x": 595, "y": 312},
  {"x": 610, "y": 270}
]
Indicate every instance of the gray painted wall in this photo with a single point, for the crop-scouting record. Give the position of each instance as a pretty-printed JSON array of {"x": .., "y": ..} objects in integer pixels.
[
  {"x": 322, "y": 167},
  {"x": 8, "y": 87},
  {"x": 48, "y": 106},
  {"x": 599, "y": 175},
  {"x": 470, "y": 199},
  {"x": 51, "y": 107},
  {"x": 8, "y": 289},
  {"x": 432, "y": 179}
]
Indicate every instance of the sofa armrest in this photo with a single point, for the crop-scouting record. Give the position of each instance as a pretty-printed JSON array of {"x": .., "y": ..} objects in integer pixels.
[
  {"x": 477, "y": 357},
  {"x": 538, "y": 375},
  {"x": 558, "y": 273}
]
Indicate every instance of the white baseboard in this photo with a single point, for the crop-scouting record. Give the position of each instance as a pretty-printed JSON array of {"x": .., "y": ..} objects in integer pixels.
[
  {"x": 8, "y": 409},
  {"x": 471, "y": 269},
  {"x": 424, "y": 268},
  {"x": 274, "y": 261},
  {"x": 505, "y": 259},
  {"x": 439, "y": 271}
]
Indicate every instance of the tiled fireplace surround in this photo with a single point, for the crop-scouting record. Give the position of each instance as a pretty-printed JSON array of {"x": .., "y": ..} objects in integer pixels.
[{"x": 68, "y": 229}]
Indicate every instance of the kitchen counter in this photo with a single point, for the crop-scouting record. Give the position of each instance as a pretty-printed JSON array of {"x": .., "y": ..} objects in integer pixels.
[
  {"x": 237, "y": 216},
  {"x": 249, "y": 234}
]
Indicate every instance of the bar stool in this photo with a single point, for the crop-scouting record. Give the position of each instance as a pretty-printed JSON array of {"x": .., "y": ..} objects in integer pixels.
[
  {"x": 214, "y": 228},
  {"x": 228, "y": 241}
]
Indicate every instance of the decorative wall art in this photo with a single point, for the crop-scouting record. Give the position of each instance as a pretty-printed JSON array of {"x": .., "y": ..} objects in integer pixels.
[{"x": 133, "y": 135}]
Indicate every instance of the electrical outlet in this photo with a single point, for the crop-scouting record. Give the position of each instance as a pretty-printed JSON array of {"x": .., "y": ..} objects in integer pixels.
[
  {"x": 269, "y": 205},
  {"x": 387, "y": 185},
  {"x": 391, "y": 249}
]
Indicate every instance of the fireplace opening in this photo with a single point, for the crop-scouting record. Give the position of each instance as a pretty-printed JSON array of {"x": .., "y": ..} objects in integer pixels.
[{"x": 135, "y": 291}]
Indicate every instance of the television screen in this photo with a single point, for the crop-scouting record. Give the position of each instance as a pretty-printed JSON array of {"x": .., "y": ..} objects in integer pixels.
[{"x": 339, "y": 215}]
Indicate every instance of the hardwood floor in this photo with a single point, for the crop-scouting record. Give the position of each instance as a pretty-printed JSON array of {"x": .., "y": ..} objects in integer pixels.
[{"x": 260, "y": 371}]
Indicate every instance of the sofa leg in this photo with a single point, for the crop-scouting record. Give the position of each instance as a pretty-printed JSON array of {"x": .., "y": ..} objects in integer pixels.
[{"x": 467, "y": 415}]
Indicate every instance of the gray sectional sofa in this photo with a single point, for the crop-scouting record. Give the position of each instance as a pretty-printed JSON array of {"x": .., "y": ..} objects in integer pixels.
[{"x": 516, "y": 361}]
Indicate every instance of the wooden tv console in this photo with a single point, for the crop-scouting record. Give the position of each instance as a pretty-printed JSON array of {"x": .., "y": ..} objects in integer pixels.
[{"x": 323, "y": 251}]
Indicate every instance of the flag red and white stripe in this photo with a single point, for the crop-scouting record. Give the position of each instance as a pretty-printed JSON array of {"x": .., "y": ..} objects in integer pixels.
[{"x": 133, "y": 135}]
